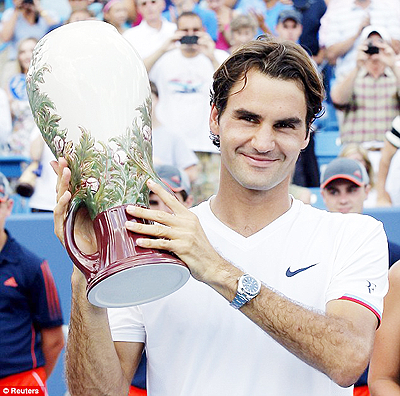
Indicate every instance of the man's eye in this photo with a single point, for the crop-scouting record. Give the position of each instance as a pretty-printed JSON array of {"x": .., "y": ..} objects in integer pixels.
[{"x": 284, "y": 125}]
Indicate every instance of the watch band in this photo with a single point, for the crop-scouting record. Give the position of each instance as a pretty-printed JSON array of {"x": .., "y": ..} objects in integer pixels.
[{"x": 239, "y": 301}]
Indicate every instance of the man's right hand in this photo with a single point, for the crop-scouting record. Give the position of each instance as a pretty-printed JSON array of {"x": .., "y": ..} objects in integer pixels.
[{"x": 84, "y": 234}]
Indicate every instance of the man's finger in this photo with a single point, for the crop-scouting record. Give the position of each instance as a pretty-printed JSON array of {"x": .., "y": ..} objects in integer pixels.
[{"x": 170, "y": 200}]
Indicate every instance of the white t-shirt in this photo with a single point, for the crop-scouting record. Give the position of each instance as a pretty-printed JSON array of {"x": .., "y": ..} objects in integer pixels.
[
  {"x": 184, "y": 96},
  {"x": 198, "y": 345},
  {"x": 146, "y": 39}
]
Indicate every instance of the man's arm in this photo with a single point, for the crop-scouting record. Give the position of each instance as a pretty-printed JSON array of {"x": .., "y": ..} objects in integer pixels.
[
  {"x": 52, "y": 344},
  {"x": 387, "y": 152},
  {"x": 342, "y": 91},
  {"x": 95, "y": 365},
  {"x": 384, "y": 370},
  {"x": 334, "y": 51},
  {"x": 168, "y": 45},
  {"x": 337, "y": 342}
]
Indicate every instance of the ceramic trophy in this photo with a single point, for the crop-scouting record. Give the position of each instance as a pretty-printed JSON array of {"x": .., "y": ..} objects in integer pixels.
[{"x": 90, "y": 97}]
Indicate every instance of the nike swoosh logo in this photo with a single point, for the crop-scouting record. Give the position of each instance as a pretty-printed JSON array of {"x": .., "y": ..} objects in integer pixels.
[{"x": 289, "y": 273}]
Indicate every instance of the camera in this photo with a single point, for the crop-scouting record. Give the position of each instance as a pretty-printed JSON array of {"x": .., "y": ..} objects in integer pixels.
[
  {"x": 189, "y": 40},
  {"x": 27, "y": 2},
  {"x": 372, "y": 49}
]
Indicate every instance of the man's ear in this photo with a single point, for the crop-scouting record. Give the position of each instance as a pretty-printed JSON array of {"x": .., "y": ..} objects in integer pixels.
[
  {"x": 214, "y": 124},
  {"x": 367, "y": 190}
]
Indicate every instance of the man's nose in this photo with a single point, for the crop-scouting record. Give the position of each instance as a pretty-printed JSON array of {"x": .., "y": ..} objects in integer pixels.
[{"x": 264, "y": 139}]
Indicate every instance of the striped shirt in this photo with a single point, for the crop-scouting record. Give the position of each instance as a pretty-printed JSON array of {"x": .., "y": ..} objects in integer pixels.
[{"x": 373, "y": 106}]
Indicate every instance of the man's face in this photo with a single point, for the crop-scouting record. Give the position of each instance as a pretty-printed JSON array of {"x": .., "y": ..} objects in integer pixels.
[
  {"x": 151, "y": 10},
  {"x": 262, "y": 131},
  {"x": 242, "y": 36},
  {"x": 190, "y": 26},
  {"x": 344, "y": 196},
  {"x": 289, "y": 30}
]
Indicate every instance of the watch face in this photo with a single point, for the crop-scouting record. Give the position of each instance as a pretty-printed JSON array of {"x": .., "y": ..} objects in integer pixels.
[{"x": 250, "y": 285}]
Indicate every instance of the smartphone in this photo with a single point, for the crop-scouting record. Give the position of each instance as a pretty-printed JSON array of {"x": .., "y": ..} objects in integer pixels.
[{"x": 189, "y": 40}]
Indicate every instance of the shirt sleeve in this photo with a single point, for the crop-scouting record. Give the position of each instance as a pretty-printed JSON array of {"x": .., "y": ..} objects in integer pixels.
[
  {"x": 126, "y": 324},
  {"x": 361, "y": 265},
  {"x": 44, "y": 295}
]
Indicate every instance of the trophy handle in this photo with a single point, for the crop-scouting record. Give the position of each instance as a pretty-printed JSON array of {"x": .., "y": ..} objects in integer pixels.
[{"x": 88, "y": 264}]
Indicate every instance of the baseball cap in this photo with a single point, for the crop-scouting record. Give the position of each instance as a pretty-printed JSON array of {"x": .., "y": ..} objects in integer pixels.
[
  {"x": 175, "y": 179},
  {"x": 345, "y": 168},
  {"x": 5, "y": 189},
  {"x": 289, "y": 14},
  {"x": 368, "y": 30}
]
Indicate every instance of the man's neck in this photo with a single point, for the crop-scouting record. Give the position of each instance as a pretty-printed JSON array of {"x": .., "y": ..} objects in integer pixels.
[
  {"x": 248, "y": 211},
  {"x": 376, "y": 69},
  {"x": 362, "y": 3},
  {"x": 155, "y": 23}
]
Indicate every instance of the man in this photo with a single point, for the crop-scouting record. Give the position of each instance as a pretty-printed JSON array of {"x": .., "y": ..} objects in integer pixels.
[
  {"x": 152, "y": 31},
  {"x": 31, "y": 336},
  {"x": 342, "y": 24},
  {"x": 344, "y": 188},
  {"x": 183, "y": 76},
  {"x": 265, "y": 97},
  {"x": 369, "y": 94},
  {"x": 389, "y": 150},
  {"x": 289, "y": 26},
  {"x": 168, "y": 147}
]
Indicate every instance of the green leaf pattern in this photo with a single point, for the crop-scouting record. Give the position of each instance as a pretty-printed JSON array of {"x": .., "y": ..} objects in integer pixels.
[{"x": 103, "y": 174}]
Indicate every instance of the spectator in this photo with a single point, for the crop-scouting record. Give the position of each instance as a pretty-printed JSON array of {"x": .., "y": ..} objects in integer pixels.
[
  {"x": 384, "y": 373},
  {"x": 312, "y": 11},
  {"x": 321, "y": 330},
  {"x": 289, "y": 25},
  {"x": 44, "y": 195},
  {"x": 26, "y": 19},
  {"x": 31, "y": 336},
  {"x": 224, "y": 16},
  {"x": 80, "y": 15},
  {"x": 383, "y": 184},
  {"x": 359, "y": 153},
  {"x": 169, "y": 148},
  {"x": 243, "y": 30},
  {"x": 208, "y": 17},
  {"x": 368, "y": 95},
  {"x": 116, "y": 13},
  {"x": 268, "y": 19},
  {"x": 5, "y": 122},
  {"x": 342, "y": 24},
  {"x": 153, "y": 30},
  {"x": 23, "y": 122},
  {"x": 345, "y": 187},
  {"x": 183, "y": 77}
]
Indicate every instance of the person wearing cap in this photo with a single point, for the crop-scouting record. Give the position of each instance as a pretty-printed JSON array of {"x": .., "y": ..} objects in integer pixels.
[
  {"x": 368, "y": 96},
  {"x": 31, "y": 336},
  {"x": 115, "y": 13},
  {"x": 384, "y": 181},
  {"x": 289, "y": 26},
  {"x": 178, "y": 182},
  {"x": 344, "y": 188},
  {"x": 343, "y": 22}
]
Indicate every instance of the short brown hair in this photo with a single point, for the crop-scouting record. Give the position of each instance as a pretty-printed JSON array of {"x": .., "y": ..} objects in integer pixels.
[{"x": 277, "y": 59}]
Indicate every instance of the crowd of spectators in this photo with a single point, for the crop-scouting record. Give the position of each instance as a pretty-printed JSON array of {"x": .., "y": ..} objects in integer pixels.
[{"x": 361, "y": 86}]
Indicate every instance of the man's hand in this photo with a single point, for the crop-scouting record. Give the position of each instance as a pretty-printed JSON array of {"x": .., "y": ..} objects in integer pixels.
[
  {"x": 83, "y": 230},
  {"x": 180, "y": 233}
]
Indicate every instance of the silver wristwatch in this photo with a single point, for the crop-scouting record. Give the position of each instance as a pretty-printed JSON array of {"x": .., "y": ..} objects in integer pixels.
[{"x": 248, "y": 288}]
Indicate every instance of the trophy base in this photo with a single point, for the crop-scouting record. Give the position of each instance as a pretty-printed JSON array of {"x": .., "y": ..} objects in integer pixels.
[{"x": 136, "y": 284}]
